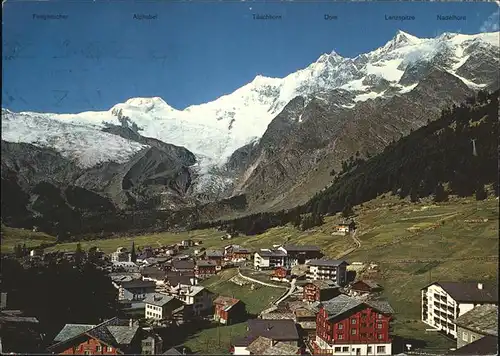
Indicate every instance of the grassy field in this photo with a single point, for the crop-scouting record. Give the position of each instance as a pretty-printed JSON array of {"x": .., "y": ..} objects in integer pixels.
[
  {"x": 11, "y": 237},
  {"x": 215, "y": 341},
  {"x": 412, "y": 244}
]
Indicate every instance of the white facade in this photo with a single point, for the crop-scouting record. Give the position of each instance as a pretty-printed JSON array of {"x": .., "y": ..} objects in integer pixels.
[
  {"x": 439, "y": 309},
  {"x": 338, "y": 274},
  {"x": 154, "y": 312},
  {"x": 266, "y": 259},
  {"x": 260, "y": 261},
  {"x": 241, "y": 350},
  {"x": 355, "y": 349},
  {"x": 198, "y": 297}
]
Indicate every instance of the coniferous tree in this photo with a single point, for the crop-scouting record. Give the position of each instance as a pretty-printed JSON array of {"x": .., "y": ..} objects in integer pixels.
[
  {"x": 78, "y": 254},
  {"x": 133, "y": 255},
  {"x": 480, "y": 192}
]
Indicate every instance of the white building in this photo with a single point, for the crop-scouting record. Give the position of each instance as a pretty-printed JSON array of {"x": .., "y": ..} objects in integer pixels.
[
  {"x": 266, "y": 258},
  {"x": 160, "y": 306},
  {"x": 334, "y": 270},
  {"x": 443, "y": 302},
  {"x": 120, "y": 255},
  {"x": 198, "y": 297}
]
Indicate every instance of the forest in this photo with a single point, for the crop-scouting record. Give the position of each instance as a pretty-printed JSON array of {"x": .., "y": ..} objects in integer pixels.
[{"x": 455, "y": 154}]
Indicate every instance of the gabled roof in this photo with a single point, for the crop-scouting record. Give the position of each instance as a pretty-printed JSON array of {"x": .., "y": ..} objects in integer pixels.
[
  {"x": 214, "y": 253},
  {"x": 158, "y": 299},
  {"x": 259, "y": 345},
  {"x": 487, "y": 345},
  {"x": 342, "y": 304},
  {"x": 226, "y": 302},
  {"x": 205, "y": 263},
  {"x": 325, "y": 262},
  {"x": 183, "y": 264},
  {"x": 284, "y": 329},
  {"x": 172, "y": 351},
  {"x": 324, "y": 284},
  {"x": 272, "y": 253},
  {"x": 113, "y": 332},
  {"x": 369, "y": 283},
  {"x": 482, "y": 319},
  {"x": 469, "y": 291}
]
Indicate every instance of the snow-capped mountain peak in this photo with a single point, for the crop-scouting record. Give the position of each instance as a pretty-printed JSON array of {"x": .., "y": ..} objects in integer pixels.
[{"x": 402, "y": 39}]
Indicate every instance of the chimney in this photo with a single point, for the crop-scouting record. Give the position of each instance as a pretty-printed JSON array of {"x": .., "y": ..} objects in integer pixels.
[{"x": 479, "y": 286}]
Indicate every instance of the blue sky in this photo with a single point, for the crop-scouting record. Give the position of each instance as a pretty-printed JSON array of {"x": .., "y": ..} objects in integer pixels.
[{"x": 193, "y": 52}]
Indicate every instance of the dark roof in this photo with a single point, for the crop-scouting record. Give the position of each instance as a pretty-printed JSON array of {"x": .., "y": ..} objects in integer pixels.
[
  {"x": 487, "y": 345},
  {"x": 153, "y": 272},
  {"x": 242, "y": 341},
  {"x": 369, "y": 283},
  {"x": 324, "y": 284},
  {"x": 183, "y": 264},
  {"x": 114, "y": 332},
  {"x": 239, "y": 249},
  {"x": 158, "y": 299},
  {"x": 283, "y": 329},
  {"x": 214, "y": 253},
  {"x": 343, "y": 303},
  {"x": 271, "y": 253},
  {"x": 138, "y": 284},
  {"x": 325, "y": 262},
  {"x": 300, "y": 248},
  {"x": 482, "y": 319},
  {"x": 175, "y": 278},
  {"x": 172, "y": 351},
  {"x": 469, "y": 291},
  {"x": 205, "y": 263}
]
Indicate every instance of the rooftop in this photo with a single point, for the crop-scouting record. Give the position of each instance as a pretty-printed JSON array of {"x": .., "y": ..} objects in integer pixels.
[
  {"x": 183, "y": 264},
  {"x": 158, "y": 299},
  {"x": 487, "y": 345},
  {"x": 469, "y": 291},
  {"x": 205, "y": 263},
  {"x": 343, "y": 303},
  {"x": 260, "y": 345},
  {"x": 325, "y": 262},
  {"x": 214, "y": 253},
  {"x": 138, "y": 284},
  {"x": 226, "y": 302},
  {"x": 482, "y": 319},
  {"x": 278, "y": 316},
  {"x": 324, "y": 284},
  {"x": 271, "y": 253},
  {"x": 277, "y": 330}
]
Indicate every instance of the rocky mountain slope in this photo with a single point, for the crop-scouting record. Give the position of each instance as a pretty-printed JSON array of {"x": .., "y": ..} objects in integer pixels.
[{"x": 274, "y": 139}]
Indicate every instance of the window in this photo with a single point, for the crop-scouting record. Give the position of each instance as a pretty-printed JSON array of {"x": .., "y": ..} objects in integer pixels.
[
  {"x": 109, "y": 349},
  {"x": 345, "y": 349},
  {"x": 353, "y": 332},
  {"x": 337, "y": 349},
  {"x": 340, "y": 336},
  {"x": 380, "y": 336},
  {"x": 98, "y": 348},
  {"x": 379, "y": 316},
  {"x": 87, "y": 352},
  {"x": 340, "y": 327},
  {"x": 369, "y": 349},
  {"x": 353, "y": 321},
  {"x": 379, "y": 325},
  {"x": 465, "y": 336},
  {"x": 363, "y": 335},
  {"x": 381, "y": 349}
]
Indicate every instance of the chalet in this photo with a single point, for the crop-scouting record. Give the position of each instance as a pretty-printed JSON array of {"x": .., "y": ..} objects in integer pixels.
[
  {"x": 152, "y": 344},
  {"x": 280, "y": 274},
  {"x": 135, "y": 290},
  {"x": 305, "y": 318},
  {"x": 215, "y": 255},
  {"x": 197, "y": 298},
  {"x": 160, "y": 306},
  {"x": 174, "y": 279},
  {"x": 364, "y": 287},
  {"x": 236, "y": 253},
  {"x": 348, "y": 326},
  {"x": 335, "y": 270},
  {"x": 320, "y": 290},
  {"x": 477, "y": 323},
  {"x": 179, "y": 265},
  {"x": 229, "y": 310},
  {"x": 145, "y": 254},
  {"x": 112, "y": 337},
  {"x": 344, "y": 228},
  {"x": 300, "y": 254},
  {"x": 443, "y": 302},
  {"x": 268, "y": 259},
  {"x": 120, "y": 255},
  {"x": 205, "y": 268}
]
